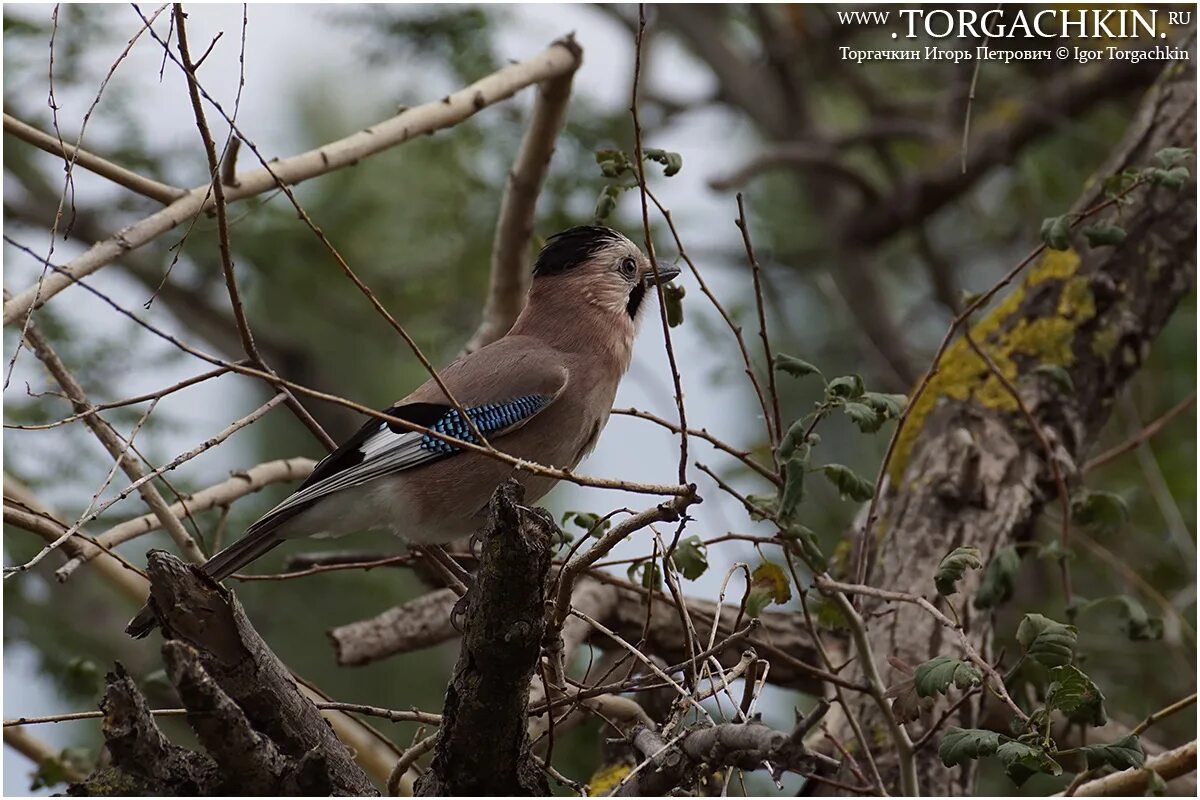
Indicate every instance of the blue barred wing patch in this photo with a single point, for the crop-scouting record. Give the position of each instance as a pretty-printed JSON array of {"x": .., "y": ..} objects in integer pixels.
[
  {"x": 488, "y": 418},
  {"x": 379, "y": 449}
]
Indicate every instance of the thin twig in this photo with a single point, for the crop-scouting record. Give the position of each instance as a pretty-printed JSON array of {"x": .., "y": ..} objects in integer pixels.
[
  {"x": 147, "y": 187},
  {"x": 1147, "y": 433},
  {"x": 1064, "y": 497},
  {"x": 640, "y": 162},
  {"x": 403, "y": 127},
  {"x": 112, "y": 443},
  {"x": 702, "y": 433},
  {"x": 734, "y": 328},
  {"x": 756, "y": 272},
  {"x": 129, "y": 401},
  {"x": 223, "y": 247},
  {"x": 509, "y": 274}
]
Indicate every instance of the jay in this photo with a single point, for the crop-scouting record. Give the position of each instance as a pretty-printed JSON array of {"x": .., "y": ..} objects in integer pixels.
[{"x": 541, "y": 393}]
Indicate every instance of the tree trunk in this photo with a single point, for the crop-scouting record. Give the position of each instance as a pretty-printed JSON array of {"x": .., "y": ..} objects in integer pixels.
[{"x": 968, "y": 470}]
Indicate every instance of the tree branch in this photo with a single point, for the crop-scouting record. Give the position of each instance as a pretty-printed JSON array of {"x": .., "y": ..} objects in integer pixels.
[
  {"x": 1134, "y": 782},
  {"x": 112, "y": 443},
  {"x": 221, "y": 494},
  {"x": 483, "y": 742},
  {"x": 510, "y": 273},
  {"x": 1058, "y": 101},
  {"x": 737, "y": 745},
  {"x": 265, "y": 735},
  {"x": 106, "y": 169},
  {"x": 425, "y": 622},
  {"x": 555, "y": 60},
  {"x": 968, "y": 470}
]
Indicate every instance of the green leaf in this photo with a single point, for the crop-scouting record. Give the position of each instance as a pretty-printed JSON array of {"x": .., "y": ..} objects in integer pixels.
[
  {"x": 594, "y": 524},
  {"x": 1173, "y": 156},
  {"x": 1104, "y": 235},
  {"x": 847, "y": 386},
  {"x": 1057, "y": 374},
  {"x": 953, "y": 566},
  {"x": 51, "y": 771},
  {"x": 1103, "y": 511},
  {"x": 1124, "y": 753},
  {"x": 848, "y": 483},
  {"x": 827, "y": 614},
  {"x": 1053, "y": 551},
  {"x": 158, "y": 681},
  {"x": 998, "y": 578},
  {"x": 768, "y": 584},
  {"x": 613, "y": 163},
  {"x": 890, "y": 406},
  {"x": 866, "y": 418},
  {"x": 1074, "y": 694},
  {"x": 1056, "y": 232},
  {"x": 646, "y": 574},
  {"x": 810, "y": 548},
  {"x": 792, "y": 439},
  {"x": 1118, "y": 183},
  {"x": 672, "y": 162},
  {"x": 936, "y": 675},
  {"x": 606, "y": 204},
  {"x": 907, "y": 705},
  {"x": 762, "y": 506},
  {"x": 691, "y": 558},
  {"x": 1022, "y": 761},
  {"x": 796, "y": 367},
  {"x": 84, "y": 677},
  {"x": 1046, "y": 641},
  {"x": 673, "y": 298},
  {"x": 1139, "y": 626},
  {"x": 1174, "y": 178},
  {"x": 960, "y": 745},
  {"x": 793, "y": 488},
  {"x": 1155, "y": 786}
]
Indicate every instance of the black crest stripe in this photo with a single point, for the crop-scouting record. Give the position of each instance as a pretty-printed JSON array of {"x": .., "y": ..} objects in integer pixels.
[{"x": 572, "y": 247}]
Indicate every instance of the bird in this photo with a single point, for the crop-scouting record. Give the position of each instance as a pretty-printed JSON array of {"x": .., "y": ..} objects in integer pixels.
[{"x": 541, "y": 393}]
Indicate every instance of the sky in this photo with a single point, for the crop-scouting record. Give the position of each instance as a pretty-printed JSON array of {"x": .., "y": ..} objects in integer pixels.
[{"x": 290, "y": 45}]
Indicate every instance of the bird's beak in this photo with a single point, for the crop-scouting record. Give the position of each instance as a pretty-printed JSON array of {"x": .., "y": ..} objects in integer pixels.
[{"x": 665, "y": 275}]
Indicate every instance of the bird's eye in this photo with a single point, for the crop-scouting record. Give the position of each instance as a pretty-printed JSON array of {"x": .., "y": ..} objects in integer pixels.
[{"x": 628, "y": 267}]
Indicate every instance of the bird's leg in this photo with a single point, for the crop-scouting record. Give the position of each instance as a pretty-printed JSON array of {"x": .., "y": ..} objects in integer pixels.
[
  {"x": 555, "y": 655},
  {"x": 457, "y": 578}
]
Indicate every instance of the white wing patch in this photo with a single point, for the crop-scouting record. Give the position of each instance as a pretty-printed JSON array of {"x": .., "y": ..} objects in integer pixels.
[{"x": 386, "y": 451}]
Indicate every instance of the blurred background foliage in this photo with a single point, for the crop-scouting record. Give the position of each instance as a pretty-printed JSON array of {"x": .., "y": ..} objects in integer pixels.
[{"x": 417, "y": 224}]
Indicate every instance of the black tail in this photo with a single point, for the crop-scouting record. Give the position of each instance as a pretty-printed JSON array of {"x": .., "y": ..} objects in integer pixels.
[{"x": 249, "y": 548}]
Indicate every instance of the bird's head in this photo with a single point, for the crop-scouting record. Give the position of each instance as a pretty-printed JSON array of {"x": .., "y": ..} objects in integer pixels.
[{"x": 599, "y": 267}]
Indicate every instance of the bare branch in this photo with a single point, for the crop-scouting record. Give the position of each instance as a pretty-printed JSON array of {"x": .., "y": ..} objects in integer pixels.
[
  {"x": 221, "y": 494},
  {"x": 807, "y": 156},
  {"x": 1146, "y": 434},
  {"x": 514, "y": 228},
  {"x": 113, "y": 444},
  {"x": 117, "y": 174},
  {"x": 1133, "y": 782},
  {"x": 38, "y": 751},
  {"x": 483, "y": 742},
  {"x": 405, "y": 126}
]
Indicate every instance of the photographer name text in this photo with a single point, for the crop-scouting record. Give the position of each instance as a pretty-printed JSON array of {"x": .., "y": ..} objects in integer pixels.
[{"x": 1082, "y": 55}]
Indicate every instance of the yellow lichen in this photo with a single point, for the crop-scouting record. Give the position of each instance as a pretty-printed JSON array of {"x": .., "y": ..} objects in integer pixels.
[
  {"x": 607, "y": 777},
  {"x": 963, "y": 375},
  {"x": 1054, "y": 264},
  {"x": 1104, "y": 341}
]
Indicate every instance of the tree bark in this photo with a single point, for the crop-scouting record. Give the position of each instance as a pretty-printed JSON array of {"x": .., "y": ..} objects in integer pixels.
[
  {"x": 483, "y": 741},
  {"x": 967, "y": 469},
  {"x": 261, "y": 734}
]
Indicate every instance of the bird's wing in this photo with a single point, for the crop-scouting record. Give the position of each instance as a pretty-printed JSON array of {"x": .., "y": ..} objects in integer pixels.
[{"x": 500, "y": 391}]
